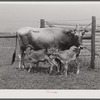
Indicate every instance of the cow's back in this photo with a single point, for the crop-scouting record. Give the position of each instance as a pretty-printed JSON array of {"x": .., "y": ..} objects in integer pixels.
[
  {"x": 47, "y": 33},
  {"x": 46, "y": 37},
  {"x": 25, "y": 30},
  {"x": 41, "y": 38}
]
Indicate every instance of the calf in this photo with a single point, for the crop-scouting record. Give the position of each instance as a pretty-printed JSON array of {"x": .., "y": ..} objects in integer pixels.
[
  {"x": 39, "y": 56},
  {"x": 67, "y": 56}
]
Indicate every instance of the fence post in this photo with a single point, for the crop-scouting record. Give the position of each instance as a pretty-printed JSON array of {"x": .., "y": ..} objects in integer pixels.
[
  {"x": 42, "y": 23},
  {"x": 93, "y": 42}
]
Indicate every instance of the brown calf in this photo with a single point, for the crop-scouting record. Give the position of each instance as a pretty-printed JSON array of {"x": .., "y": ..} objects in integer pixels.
[{"x": 39, "y": 56}]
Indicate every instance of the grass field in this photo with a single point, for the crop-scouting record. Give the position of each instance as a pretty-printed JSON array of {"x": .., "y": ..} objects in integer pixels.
[{"x": 13, "y": 78}]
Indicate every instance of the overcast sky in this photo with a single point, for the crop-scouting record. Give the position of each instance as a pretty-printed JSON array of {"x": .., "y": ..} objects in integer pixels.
[{"x": 16, "y": 15}]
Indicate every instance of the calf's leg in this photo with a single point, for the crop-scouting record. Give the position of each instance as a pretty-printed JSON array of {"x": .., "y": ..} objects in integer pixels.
[{"x": 30, "y": 67}]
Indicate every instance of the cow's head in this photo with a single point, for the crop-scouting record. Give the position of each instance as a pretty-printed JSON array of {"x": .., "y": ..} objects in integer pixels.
[
  {"x": 73, "y": 38},
  {"x": 78, "y": 35}
]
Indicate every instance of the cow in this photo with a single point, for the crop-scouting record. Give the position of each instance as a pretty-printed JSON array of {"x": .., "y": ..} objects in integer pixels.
[
  {"x": 35, "y": 57},
  {"x": 67, "y": 56},
  {"x": 45, "y": 38}
]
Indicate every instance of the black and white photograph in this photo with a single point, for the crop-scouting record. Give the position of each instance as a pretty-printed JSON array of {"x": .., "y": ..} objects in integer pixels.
[{"x": 50, "y": 46}]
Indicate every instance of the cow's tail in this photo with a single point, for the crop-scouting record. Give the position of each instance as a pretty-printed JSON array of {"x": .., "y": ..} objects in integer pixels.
[{"x": 14, "y": 54}]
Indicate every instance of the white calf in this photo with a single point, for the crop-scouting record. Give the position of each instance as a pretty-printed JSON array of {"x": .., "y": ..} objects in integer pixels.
[{"x": 68, "y": 55}]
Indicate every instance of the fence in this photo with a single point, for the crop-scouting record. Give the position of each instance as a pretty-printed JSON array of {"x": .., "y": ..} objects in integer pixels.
[
  {"x": 86, "y": 37},
  {"x": 89, "y": 37}
]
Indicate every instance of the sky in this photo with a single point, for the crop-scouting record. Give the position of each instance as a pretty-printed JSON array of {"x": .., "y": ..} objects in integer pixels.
[{"x": 14, "y": 15}]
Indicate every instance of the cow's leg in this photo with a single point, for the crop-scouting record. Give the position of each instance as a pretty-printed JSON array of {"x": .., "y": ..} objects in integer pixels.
[
  {"x": 37, "y": 66},
  {"x": 30, "y": 67},
  {"x": 51, "y": 67},
  {"x": 53, "y": 63},
  {"x": 23, "y": 64},
  {"x": 56, "y": 64},
  {"x": 78, "y": 65},
  {"x": 59, "y": 64},
  {"x": 20, "y": 61},
  {"x": 66, "y": 69},
  {"x": 21, "y": 58}
]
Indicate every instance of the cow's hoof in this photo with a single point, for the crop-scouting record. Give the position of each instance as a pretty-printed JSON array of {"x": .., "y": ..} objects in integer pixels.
[
  {"x": 77, "y": 72},
  {"x": 23, "y": 67},
  {"x": 66, "y": 74},
  {"x": 20, "y": 69},
  {"x": 29, "y": 70},
  {"x": 50, "y": 73},
  {"x": 58, "y": 73}
]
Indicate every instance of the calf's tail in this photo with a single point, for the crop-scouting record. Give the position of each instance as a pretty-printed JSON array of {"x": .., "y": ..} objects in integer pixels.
[{"x": 14, "y": 54}]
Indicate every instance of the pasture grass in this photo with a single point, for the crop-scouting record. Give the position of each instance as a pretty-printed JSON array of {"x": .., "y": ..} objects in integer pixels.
[{"x": 13, "y": 78}]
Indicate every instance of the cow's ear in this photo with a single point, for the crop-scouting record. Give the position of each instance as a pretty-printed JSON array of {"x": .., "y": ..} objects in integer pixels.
[
  {"x": 65, "y": 31},
  {"x": 30, "y": 31},
  {"x": 70, "y": 33},
  {"x": 83, "y": 32},
  {"x": 75, "y": 49}
]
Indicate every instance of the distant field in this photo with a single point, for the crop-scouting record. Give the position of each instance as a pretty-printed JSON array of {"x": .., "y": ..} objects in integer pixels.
[{"x": 13, "y": 78}]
